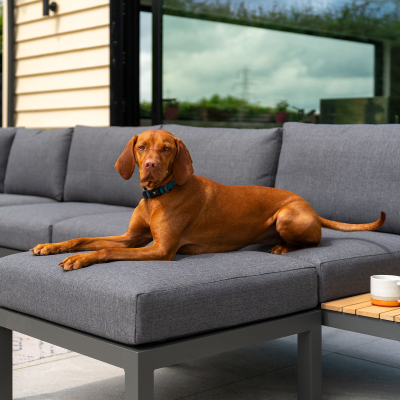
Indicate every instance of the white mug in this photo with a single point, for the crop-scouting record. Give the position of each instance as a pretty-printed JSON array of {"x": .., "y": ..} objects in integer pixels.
[{"x": 385, "y": 290}]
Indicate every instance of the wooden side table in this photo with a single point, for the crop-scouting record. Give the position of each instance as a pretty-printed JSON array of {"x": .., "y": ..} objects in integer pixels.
[{"x": 357, "y": 314}]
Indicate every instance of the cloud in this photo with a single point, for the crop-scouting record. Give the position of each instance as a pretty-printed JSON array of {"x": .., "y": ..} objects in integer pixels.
[{"x": 203, "y": 57}]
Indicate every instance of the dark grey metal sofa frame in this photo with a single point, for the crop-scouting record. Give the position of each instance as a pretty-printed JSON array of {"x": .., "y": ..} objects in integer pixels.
[
  {"x": 359, "y": 324},
  {"x": 139, "y": 362}
]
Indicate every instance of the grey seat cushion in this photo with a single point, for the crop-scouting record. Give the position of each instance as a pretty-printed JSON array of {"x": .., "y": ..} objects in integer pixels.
[
  {"x": 232, "y": 156},
  {"x": 345, "y": 261},
  {"x": 38, "y": 162},
  {"x": 20, "y": 199},
  {"x": 6, "y": 140},
  {"x": 348, "y": 173},
  {"x": 137, "y": 302},
  {"x": 91, "y": 175},
  {"x": 24, "y": 226},
  {"x": 113, "y": 224}
]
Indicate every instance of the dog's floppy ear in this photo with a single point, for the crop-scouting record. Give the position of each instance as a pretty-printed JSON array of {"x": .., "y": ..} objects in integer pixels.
[
  {"x": 182, "y": 168},
  {"x": 125, "y": 164}
]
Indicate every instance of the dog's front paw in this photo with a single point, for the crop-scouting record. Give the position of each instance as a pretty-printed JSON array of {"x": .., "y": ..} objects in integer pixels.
[
  {"x": 76, "y": 261},
  {"x": 46, "y": 249}
]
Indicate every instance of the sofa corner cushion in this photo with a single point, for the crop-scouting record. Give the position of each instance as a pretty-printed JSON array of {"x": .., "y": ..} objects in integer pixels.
[
  {"x": 22, "y": 199},
  {"x": 24, "y": 226},
  {"x": 232, "y": 156},
  {"x": 138, "y": 302},
  {"x": 98, "y": 225},
  {"x": 91, "y": 175},
  {"x": 38, "y": 162},
  {"x": 345, "y": 261},
  {"x": 6, "y": 140},
  {"x": 348, "y": 173}
]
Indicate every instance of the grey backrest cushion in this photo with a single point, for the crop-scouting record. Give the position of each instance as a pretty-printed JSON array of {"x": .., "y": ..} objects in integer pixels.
[
  {"x": 6, "y": 140},
  {"x": 232, "y": 156},
  {"x": 348, "y": 173},
  {"x": 91, "y": 175},
  {"x": 38, "y": 161}
]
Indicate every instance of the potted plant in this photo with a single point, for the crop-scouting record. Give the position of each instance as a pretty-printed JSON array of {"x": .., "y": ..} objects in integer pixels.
[
  {"x": 171, "y": 110},
  {"x": 281, "y": 114}
]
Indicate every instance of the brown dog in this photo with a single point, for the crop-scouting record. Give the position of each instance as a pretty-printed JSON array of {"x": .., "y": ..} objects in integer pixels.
[{"x": 198, "y": 215}]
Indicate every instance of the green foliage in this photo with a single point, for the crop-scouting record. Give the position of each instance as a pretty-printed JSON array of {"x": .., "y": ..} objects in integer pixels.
[
  {"x": 358, "y": 18},
  {"x": 145, "y": 109},
  {"x": 171, "y": 103},
  {"x": 214, "y": 108},
  {"x": 282, "y": 105}
]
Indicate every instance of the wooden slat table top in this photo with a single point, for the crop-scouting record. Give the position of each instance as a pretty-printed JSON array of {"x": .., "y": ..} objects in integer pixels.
[{"x": 361, "y": 305}]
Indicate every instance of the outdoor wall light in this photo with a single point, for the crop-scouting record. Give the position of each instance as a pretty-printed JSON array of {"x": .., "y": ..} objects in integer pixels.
[{"x": 47, "y": 6}]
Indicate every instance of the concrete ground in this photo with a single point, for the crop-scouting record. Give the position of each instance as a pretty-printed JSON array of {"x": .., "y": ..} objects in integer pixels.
[{"x": 355, "y": 366}]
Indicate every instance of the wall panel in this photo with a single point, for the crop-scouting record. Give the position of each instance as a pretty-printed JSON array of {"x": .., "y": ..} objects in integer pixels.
[
  {"x": 59, "y": 81},
  {"x": 62, "y": 71},
  {"x": 61, "y": 43}
]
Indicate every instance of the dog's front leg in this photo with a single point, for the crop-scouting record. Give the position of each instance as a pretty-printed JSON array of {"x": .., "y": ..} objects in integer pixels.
[
  {"x": 85, "y": 244},
  {"x": 157, "y": 251},
  {"x": 138, "y": 235}
]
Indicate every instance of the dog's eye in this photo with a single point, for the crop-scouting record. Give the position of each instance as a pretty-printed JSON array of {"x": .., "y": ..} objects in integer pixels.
[
  {"x": 166, "y": 148},
  {"x": 141, "y": 147}
]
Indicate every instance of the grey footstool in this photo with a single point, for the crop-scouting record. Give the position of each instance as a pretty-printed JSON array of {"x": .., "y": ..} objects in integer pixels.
[{"x": 141, "y": 316}]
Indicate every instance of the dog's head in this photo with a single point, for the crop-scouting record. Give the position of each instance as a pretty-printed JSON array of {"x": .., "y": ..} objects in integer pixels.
[{"x": 158, "y": 154}]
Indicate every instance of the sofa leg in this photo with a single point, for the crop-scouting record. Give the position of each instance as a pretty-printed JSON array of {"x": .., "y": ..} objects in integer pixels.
[
  {"x": 139, "y": 383},
  {"x": 6, "y": 366},
  {"x": 309, "y": 364}
]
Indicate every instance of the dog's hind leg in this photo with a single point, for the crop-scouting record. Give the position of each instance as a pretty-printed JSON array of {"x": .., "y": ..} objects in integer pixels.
[{"x": 298, "y": 226}]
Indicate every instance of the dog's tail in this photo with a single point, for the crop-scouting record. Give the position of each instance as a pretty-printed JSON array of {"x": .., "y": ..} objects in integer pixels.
[{"x": 340, "y": 226}]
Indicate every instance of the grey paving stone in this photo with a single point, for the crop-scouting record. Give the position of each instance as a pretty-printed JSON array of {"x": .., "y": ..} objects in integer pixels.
[
  {"x": 221, "y": 394},
  {"x": 343, "y": 378},
  {"x": 383, "y": 351},
  {"x": 107, "y": 389},
  {"x": 170, "y": 384},
  {"x": 78, "y": 377},
  {"x": 334, "y": 340},
  {"x": 243, "y": 363}
]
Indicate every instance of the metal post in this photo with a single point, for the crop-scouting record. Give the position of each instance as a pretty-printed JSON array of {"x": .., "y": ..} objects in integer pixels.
[
  {"x": 379, "y": 69},
  {"x": 157, "y": 62},
  {"x": 10, "y": 66},
  {"x": 131, "y": 64},
  {"x": 139, "y": 382},
  {"x": 5, "y": 364},
  {"x": 309, "y": 363},
  {"x": 116, "y": 62}
]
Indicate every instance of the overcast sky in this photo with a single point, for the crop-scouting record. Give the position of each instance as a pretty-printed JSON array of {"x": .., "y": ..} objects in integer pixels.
[{"x": 202, "y": 58}]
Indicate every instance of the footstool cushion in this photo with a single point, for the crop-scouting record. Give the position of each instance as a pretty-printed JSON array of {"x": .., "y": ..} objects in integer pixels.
[{"x": 146, "y": 301}]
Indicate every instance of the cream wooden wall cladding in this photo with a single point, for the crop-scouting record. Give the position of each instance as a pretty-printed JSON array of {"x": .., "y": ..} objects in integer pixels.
[{"x": 62, "y": 64}]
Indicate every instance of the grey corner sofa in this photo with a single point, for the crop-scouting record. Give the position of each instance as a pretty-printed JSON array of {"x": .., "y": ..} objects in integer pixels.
[{"x": 61, "y": 184}]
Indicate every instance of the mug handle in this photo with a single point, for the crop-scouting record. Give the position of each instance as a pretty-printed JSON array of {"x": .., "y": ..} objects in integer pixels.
[{"x": 398, "y": 284}]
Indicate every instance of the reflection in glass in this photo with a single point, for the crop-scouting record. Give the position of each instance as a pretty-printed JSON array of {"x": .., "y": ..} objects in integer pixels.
[
  {"x": 233, "y": 63},
  {"x": 145, "y": 67}
]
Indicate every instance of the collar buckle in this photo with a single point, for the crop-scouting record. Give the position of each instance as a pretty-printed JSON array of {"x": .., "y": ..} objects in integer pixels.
[{"x": 149, "y": 194}]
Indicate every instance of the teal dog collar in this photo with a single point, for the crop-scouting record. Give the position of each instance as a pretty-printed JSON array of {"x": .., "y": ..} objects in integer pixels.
[{"x": 149, "y": 194}]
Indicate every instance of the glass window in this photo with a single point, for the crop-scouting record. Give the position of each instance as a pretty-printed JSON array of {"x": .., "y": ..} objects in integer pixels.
[
  {"x": 145, "y": 67},
  {"x": 258, "y": 63}
]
